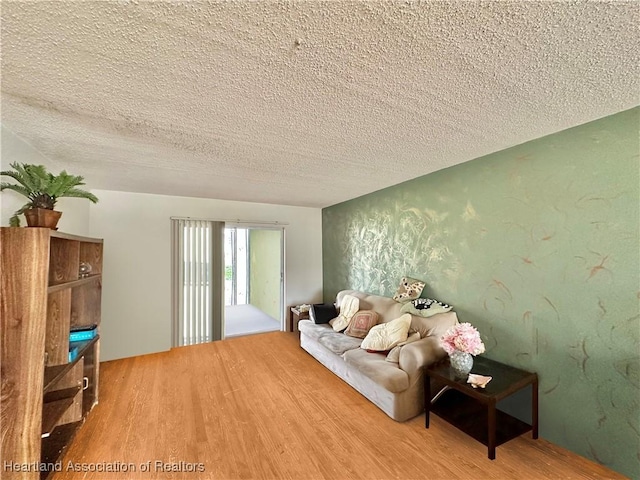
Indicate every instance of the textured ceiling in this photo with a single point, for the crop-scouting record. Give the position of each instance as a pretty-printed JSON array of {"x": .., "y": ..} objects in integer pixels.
[{"x": 303, "y": 103}]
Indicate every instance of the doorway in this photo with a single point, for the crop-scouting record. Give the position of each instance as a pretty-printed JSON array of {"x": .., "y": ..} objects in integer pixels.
[{"x": 253, "y": 277}]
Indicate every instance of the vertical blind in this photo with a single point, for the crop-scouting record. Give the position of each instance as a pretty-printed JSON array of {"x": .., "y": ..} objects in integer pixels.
[{"x": 197, "y": 281}]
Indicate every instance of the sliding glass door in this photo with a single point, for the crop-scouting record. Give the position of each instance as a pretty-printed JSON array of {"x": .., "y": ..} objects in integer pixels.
[
  {"x": 236, "y": 252},
  {"x": 226, "y": 281},
  {"x": 253, "y": 279}
]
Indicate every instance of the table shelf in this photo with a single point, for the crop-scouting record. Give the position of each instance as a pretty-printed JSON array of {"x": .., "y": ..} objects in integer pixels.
[{"x": 471, "y": 417}]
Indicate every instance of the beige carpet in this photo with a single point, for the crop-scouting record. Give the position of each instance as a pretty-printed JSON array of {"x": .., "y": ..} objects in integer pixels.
[{"x": 246, "y": 320}]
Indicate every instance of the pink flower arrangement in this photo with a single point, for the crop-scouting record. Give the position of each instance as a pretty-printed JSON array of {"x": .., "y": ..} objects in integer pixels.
[{"x": 462, "y": 337}]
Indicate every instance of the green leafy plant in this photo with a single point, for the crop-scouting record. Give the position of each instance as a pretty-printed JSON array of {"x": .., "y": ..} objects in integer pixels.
[{"x": 43, "y": 189}]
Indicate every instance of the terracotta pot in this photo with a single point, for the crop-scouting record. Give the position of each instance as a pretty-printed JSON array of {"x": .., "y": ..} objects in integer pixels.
[{"x": 42, "y": 217}]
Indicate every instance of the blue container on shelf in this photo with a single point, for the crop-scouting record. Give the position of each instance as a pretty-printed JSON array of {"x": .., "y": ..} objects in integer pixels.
[
  {"x": 77, "y": 338},
  {"x": 83, "y": 334},
  {"x": 73, "y": 352}
]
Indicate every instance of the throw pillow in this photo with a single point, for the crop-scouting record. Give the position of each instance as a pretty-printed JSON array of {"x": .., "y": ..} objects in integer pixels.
[
  {"x": 322, "y": 312},
  {"x": 394, "y": 355},
  {"x": 348, "y": 308},
  {"x": 425, "y": 307},
  {"x": 409, "y": 289},
  {"x": 387, "y": 335},
  {"x": 361, "y": 323}
]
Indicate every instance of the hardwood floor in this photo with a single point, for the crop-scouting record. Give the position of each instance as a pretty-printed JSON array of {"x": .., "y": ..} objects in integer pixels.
[{"x": 261, "y": 407}]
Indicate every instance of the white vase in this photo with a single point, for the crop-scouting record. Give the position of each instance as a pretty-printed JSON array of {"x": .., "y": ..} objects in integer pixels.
[{"x": 461, "y": 362}]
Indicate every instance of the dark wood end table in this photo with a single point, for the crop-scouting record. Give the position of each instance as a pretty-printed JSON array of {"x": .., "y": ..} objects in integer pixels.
[
  {"x": 295, "y": 316},
  {"x": 473, "y": 410}
]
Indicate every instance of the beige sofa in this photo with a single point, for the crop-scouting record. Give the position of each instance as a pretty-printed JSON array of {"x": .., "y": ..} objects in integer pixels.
[{"x": 396, "y": 388}]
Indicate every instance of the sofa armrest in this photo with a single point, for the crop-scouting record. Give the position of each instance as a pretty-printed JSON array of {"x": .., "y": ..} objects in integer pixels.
[{"x": 416, "y": 355}]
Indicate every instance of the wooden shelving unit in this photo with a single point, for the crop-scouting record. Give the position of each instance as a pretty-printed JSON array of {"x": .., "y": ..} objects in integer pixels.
[{"x": 45, "y": 397}]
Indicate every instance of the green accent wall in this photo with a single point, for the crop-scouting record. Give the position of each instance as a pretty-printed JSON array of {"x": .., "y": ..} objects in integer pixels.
[
  {"x": 264, "y": 270},
  {"x": 538, "y": 247}
]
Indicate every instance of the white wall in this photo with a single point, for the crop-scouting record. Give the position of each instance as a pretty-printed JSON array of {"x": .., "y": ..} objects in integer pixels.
[
  {"x": 136, "y": 302},
  {"x": 75, "y": 211}
]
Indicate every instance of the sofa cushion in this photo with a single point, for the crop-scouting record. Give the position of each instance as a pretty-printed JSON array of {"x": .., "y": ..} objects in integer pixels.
[
  {"x": 435, "y": 325},
  {"x": 394, "y": 354},
  {"x": 386, "y": 374},
  {"x": 387, "y": 335},
  {"x": 348, "y": 308},
  {"x": 314, "y": 330},
  {"x": 338, "y": 343},
  {"x": 409, "y": 289},
  {"x": 322, "y": 312},
  {"x": 361, "y": 323}
]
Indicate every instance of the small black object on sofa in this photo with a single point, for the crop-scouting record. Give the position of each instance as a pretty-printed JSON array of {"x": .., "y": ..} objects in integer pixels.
[{"x": 322, "y": 312}]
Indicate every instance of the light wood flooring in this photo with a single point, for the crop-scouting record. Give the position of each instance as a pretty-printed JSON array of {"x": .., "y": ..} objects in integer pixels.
[{"x": 261, "y": 407}]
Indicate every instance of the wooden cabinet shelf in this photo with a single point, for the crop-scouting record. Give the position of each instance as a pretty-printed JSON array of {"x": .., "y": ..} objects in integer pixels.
[
  {"x": 51, "y": 413},
  {"x": 73, "y": 283},
  {"x": 77, "y": 238},
  {"x": 43, "y": 297},
  {"x": 63, "y": 394},
  {"x": 56, "y": 372}
]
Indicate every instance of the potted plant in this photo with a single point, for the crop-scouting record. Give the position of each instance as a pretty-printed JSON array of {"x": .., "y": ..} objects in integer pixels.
[{"x": 43, "y": 189}]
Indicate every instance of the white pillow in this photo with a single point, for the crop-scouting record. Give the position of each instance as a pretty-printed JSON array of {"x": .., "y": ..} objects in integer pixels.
[
  {"x": 387, "y": 335},
  {"x": 349, "y": 306}
]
